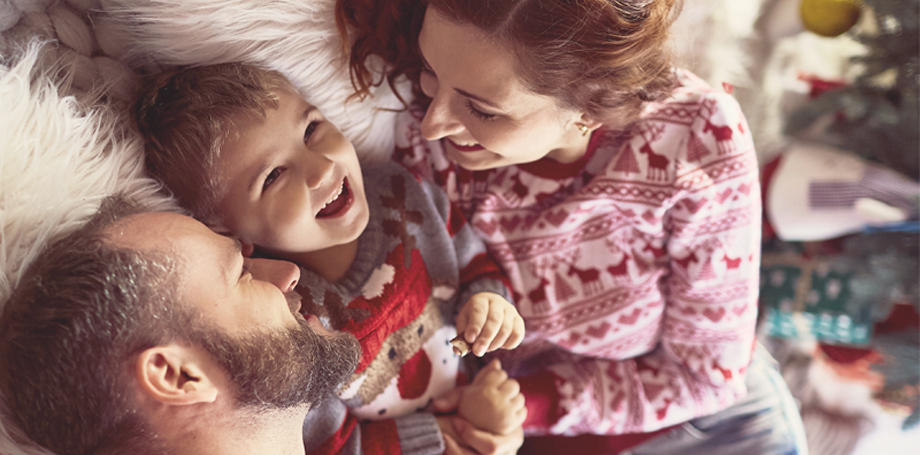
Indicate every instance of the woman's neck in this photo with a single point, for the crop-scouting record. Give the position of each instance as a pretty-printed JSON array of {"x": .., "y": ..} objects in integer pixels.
[{"x": 574, "y": 146}]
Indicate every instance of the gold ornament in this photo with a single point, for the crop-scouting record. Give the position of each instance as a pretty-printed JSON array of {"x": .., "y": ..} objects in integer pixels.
[{"x": 830, "y": 17}]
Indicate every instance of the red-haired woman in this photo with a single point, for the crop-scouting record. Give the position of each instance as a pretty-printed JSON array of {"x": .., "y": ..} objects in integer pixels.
[{"x": 620, "y": 195}]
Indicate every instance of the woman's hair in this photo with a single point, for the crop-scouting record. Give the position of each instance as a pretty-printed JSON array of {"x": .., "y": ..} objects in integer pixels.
[
  {"x": 184, "y": 116},
  {"x": 602, "y": 57}
]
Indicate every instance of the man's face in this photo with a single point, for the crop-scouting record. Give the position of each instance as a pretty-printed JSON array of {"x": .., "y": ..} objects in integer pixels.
[{"x": 274, "y": 355}]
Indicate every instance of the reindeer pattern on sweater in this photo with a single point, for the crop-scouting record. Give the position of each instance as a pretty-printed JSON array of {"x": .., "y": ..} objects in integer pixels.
[{"x": 635, "y": 268}]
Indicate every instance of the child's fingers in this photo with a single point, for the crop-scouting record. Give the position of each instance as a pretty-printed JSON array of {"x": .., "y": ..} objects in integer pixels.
[
  {"x": 491, "y": 327},
  {"x": 517, "y": 334},
  {"x": 491, "y": 377},
  {"x": 511, "y": 333},
  {"x": 510, "y": 388},
  {"x": 521, "y": 415},
  {"x": 504, "y": 331},
  {"x": 477, "y": 313},
  {"x": 518, "y": 402}
]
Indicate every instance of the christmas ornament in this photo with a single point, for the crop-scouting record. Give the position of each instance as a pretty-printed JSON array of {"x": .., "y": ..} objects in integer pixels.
[{"x": 829, "y": 17}]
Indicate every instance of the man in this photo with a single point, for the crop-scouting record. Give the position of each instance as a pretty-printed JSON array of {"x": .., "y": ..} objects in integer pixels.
[{"x": 146, "y": 333}]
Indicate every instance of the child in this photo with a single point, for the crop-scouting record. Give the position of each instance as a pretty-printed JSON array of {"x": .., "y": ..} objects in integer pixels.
[{"x": 385, "y": 258}]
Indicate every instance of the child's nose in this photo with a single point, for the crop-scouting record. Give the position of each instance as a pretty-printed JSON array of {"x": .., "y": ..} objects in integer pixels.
[
  {"x": 283, "y": 274},
  {"x": 319, "y": 170}
]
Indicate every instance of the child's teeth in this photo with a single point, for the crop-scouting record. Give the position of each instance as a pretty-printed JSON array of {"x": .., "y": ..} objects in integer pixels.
[{"x": 334, "y": 196}]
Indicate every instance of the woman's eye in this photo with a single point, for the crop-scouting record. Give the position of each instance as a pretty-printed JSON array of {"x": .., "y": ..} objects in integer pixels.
[
  {"x": 271, "y": 177},
  {"x": 311, "y": 128},
  {"x": 477, "y": 113}
]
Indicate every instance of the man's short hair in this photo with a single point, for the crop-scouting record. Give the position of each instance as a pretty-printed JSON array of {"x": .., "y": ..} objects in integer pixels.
[
  {"x": 68, "y": 335},
  {"x": 186, "y": 114}
]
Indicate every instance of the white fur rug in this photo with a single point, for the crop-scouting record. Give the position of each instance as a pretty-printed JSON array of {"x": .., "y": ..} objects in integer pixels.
[{"x": 57, "y": 161}]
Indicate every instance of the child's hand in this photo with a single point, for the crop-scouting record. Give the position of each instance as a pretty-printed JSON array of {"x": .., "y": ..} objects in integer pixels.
[
  {"x": 493, "y": 402},
  {"x": 488, "y": 322}
]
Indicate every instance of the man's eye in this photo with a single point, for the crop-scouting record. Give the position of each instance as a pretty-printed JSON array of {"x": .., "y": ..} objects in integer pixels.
[
  {"x": 271, "y": 177},
  {"x": 311, "y": 128}
]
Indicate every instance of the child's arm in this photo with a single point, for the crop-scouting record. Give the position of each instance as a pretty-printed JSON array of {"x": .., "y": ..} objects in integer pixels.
[{"x": 488, "y": 322}]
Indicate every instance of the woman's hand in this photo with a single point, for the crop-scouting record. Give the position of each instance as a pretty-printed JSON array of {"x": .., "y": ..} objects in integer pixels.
[{"x": 461, "y": 438}]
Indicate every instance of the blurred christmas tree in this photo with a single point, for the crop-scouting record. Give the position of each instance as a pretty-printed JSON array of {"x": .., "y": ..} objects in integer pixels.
[{"x": 878, "y": 115}]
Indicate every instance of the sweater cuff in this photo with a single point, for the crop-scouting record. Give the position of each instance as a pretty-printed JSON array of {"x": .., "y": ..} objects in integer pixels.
[
  {"x": 492, "y": 285},
  {"x": 419, "y": 434}
]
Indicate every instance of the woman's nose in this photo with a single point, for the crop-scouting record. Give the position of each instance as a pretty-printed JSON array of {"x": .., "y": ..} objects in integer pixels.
[
  {"x": 439, "y": 121},
  {"x": 282, "y": 274}
]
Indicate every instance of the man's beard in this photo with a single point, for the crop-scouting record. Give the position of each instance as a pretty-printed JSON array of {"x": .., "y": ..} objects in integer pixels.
[{"x": 285, "y": 368}]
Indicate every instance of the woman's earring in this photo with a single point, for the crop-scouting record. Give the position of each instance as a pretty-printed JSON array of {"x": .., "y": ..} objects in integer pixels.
[{"x": 584, "y": 129}]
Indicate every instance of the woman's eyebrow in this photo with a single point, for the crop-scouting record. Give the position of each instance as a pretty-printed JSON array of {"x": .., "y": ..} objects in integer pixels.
[
  {"x": 477, "y": 98},
  {"x": 460, "y": 90}
]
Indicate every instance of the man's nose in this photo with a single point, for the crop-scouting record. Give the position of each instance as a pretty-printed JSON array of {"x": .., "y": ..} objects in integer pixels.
[
  {"x": 282, "y": 274},
  {"x": 439, "y": 121}
]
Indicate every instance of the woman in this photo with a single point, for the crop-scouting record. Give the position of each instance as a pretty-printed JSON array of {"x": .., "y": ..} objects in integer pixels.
[{"x": 621, "y": 197}]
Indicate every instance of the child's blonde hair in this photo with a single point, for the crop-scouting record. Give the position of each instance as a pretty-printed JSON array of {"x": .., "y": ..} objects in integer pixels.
[{"x": 185, "y": 115}]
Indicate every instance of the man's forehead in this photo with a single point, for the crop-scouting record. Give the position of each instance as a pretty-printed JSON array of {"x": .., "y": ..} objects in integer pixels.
[
  {"x": 182, "y": 238},
  {"x": 159, "y": 231}
]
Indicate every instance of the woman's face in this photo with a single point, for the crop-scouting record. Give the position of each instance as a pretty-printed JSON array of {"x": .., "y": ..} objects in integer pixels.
[{"x": 481, "y": 108}]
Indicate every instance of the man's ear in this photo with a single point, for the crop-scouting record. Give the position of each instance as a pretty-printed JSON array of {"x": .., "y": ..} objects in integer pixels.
[{"x": 176, "y": 375}]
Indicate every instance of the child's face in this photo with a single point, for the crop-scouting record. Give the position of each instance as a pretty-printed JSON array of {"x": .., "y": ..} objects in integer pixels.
[{"x": 293, "y": 183}]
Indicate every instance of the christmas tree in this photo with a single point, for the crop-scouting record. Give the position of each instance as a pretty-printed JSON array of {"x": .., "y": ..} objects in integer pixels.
[{"x": 877, "y": 115}]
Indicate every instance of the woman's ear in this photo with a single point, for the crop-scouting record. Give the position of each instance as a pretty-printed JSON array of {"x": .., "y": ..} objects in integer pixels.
[
  {"x": 177, "y": 375},
  {"x": 586, "y": 121}
]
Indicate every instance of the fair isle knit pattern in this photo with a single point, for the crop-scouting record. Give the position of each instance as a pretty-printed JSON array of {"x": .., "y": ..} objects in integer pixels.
[
  {"x": 635, "y": 268},
  {"x": 417, "y": 263}
]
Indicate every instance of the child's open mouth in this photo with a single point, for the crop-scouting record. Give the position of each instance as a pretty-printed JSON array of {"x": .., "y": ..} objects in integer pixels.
[{"x": 338, "y": 203}]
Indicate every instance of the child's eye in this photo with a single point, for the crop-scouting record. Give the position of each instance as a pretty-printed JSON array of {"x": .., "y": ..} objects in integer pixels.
[
  {"x": 271, "y": 177},
  {"x": 477, "y": 113},
  {"x": 311, "y": 128},
  {"x": 246, "y": 266}
]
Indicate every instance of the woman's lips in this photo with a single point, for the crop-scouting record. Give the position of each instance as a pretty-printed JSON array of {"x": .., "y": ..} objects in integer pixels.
[{"x": 465, "y": 148}]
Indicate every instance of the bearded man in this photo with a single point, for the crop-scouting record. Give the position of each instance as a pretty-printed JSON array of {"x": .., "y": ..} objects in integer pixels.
[{"x": 147, "y": 333}]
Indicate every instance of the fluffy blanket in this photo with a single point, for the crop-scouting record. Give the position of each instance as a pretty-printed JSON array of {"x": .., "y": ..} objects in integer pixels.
[{"x": 57, "y": 161}]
